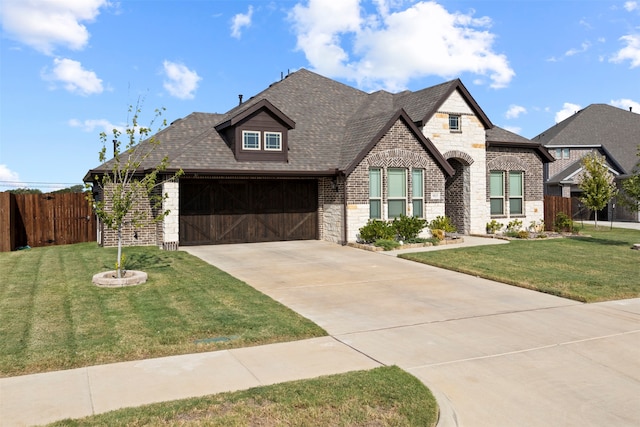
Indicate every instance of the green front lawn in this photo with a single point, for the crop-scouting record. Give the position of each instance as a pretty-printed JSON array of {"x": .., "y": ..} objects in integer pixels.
[
  {"x": 597, "y": 266},
  {"x": 380, "y": 397},
  {"x": 52, "y": 317}
]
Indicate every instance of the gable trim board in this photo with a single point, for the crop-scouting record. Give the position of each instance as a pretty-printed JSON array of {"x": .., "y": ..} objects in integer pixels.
[{"x": 332, "y": 135}]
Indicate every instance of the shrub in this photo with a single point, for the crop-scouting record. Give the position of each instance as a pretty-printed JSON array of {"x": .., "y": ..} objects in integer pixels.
[
  {"x": 443, "y": 223},
  {"x": 408, "y": 227},
  {"x": 386, "y": 244},
  {"x": 437, "y": 233},
  {"x": 523, "y": 234},
  {"x": 376, "y": 229},
  {"x": 562, "y": 222},
  {"x": 514, "y": 226},
  {"x": 493, "y": 226},
  {"x": 536, "y": 226}
]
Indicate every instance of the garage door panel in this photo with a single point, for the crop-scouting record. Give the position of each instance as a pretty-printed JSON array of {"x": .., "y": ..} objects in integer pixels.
[{"x": 239, "y": 211}]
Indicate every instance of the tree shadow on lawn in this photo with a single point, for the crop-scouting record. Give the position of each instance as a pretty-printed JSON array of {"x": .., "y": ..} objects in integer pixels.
[{"x": 599, "y": 241}]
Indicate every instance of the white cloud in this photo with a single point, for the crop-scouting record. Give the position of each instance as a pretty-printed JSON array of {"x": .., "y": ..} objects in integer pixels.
[
  {"x": 91, "y": 125},
  {"x": 74, "y": 78},
  {"x": 630, "y": 6},
  {"x": 514, "y": 111},
  {"x": 625, "y": 104},
  {"x": 7, "y": 175},
  {"x": 240, "y": 21},
  {"x": 568, "y": 110},
  {"x": 44, "y": 24},
  {"x": 181, "y": 82},
  {"x": 583, "y": 48},
  {"x": 630, "y": 52},
  {"x": 340, "y": 40}
]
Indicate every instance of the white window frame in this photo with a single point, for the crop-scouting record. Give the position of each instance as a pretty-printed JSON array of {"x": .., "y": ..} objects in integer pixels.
[
  {"x": 394, "y": 198},
  {"x": 244, "y": 141},
  {"x": 563, "y": 153},
  {"x": 458, "y": 124},
  {"x": 493, "y": 196},
  {"x": 376, "y": 198},
  {"x": 520, "y": 197},
  {"x": 417, "y": 175},
  {"x": 266, "y": 141}
]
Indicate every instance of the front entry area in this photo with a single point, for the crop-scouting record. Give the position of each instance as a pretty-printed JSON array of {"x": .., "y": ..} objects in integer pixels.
[{"x": 247, "y": 210}]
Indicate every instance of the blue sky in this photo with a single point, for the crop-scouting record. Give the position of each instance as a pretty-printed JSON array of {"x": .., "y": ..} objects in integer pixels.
[{"x": 70, "y": 68}]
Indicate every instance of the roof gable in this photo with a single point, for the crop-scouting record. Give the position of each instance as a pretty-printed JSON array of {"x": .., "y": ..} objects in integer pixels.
[
  {"x": 423, "y": 104},
  {"x": 499, "y": 137},
  {"x": 367, "y": 132},
  {"x": 599, "y": 125},
  {"x": 262, "y": 104}
]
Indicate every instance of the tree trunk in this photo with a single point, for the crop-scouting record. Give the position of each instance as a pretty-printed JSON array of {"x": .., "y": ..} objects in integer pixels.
[
  {"x": 595, "y": 217},
  {"x": 118, "y": 266}
]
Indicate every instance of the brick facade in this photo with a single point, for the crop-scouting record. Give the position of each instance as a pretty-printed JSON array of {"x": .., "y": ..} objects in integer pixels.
[{"x": 399, "y": 148}]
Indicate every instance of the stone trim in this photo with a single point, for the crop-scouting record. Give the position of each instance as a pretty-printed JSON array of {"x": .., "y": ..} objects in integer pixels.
[{"x": 459, "y": 155}]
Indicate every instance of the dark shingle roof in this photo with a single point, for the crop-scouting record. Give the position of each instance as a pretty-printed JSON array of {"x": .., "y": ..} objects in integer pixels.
[
  {"x": 332, "y": 125},
  {"x": 615, "y": 129},
  {"x": 497, "y": 136}
]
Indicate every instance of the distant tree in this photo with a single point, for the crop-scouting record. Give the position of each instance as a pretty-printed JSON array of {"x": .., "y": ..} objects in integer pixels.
[
  {"x": 73, "y": 189},
  {"x": 630, "y": 194},
  {"x": 596, "y": 184},
  {"x": 123, "y": 186},
  {"x": 25, "y": 191}
]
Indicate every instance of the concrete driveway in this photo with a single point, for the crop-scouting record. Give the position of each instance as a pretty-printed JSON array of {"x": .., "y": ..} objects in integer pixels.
[{"x": 499, "y": 355}]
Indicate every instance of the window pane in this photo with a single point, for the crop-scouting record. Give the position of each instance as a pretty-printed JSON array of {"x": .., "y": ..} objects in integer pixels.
[
  {"x": 251, "y": 140},
  {"x": 272, "y": 141},
  {"x": 397, "y": 183},
  {"x": 454, "y": 122},
  {"x": 396, "y": 208},
  {"x": 417, "y": 208},
  {"x": 417, "y": 183},
  {"x": 515, "y": 206},
  {"x": 565, "y": 153},
  {"x": 558, "y": 153},
  {"x": 375, "y": 210},
  {"x": 375, "y": 183},
  {"x": 496, "y": 184},
  {"x": 515, "y": 184},
  {"x": 496, "y": 207}
]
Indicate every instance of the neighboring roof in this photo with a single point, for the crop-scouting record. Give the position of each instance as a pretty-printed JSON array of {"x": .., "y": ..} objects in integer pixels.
[
  {"x": 499, "y": 137},
  {"x": 332, "y": 126},
  {"x": 600, "y": 125},
  {"x": 568, "y": 174}
]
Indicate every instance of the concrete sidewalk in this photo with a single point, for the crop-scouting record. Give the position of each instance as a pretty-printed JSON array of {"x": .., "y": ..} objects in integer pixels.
[{"x": 47, "y": 397}]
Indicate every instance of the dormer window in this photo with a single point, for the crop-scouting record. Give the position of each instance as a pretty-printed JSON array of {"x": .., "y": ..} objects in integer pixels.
[
  {"x": 454, "y": 123},
  {"x": 250, "y": 140},
  {"x": 273, "y": 141}
]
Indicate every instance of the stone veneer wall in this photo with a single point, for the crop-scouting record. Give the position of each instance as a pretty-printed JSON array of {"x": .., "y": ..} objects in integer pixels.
[
  {"x": 399, "y": 148},
  {"x": 169, "y": 236},
  {"x": 470, "y": 143},
  {"x": 518, "y": 159},
  {"x": 331, "y": 210}
]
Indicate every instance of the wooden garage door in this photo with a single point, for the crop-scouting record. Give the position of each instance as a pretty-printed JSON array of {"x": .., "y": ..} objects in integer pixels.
[{"x": 242, "y": 211}]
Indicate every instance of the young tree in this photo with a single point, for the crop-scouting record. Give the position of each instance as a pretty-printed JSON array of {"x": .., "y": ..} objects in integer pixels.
[
  {"x": 630, "y": 195},
  {"x": 596, "y": 184},
  {"x": 123, "y": 184}
]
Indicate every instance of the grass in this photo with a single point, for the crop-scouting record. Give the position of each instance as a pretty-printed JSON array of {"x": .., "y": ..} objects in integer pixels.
[
  {"x": 598, "y": 266},
  {"x": 384, "y": 396},
  {"x": 52, "y": 317}
]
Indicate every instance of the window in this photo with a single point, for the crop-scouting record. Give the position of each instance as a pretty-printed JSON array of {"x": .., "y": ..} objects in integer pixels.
[
  {"x": 273, "y": 141},
  {"x": 417, "y": 192},
  {"x": 454, "y": 122},
  {"x": 250, "y": 140},
  {"x": 562, "y": 153},
  {"x": 375, "y": 193},
  {"x": 496, "y": 192},
  {"x": 516, "y": 193},
  {"x": 397, "y": 192}
]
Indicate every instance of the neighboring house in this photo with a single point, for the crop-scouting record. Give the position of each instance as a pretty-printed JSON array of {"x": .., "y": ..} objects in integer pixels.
[
  {"x": 612, "y": 132},
  {"x": 311, "y": 158}
]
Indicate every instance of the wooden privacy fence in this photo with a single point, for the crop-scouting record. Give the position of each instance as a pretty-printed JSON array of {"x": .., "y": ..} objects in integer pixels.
[
  {"x": 554, "y": 205},
  {"x": 45, "y": 220}
]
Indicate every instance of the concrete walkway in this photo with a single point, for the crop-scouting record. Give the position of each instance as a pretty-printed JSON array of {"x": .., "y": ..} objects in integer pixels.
[{"x": 494, "y": 355}]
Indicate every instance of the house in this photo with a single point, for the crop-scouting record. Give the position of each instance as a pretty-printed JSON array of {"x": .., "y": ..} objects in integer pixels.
[
  {"x": 612, "y": 132},
  {"x": 312, "y": 158}
]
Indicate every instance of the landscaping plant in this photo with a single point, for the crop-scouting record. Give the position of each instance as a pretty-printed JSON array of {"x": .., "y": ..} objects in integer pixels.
[
  {"x": 408, "y": 227},
  {"x": 596, "y": 183},
  {"x": 443, "y": 223}
]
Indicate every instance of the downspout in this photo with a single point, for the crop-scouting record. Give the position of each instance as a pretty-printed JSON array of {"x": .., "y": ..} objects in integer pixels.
[{"x": 344, "y": 209}]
